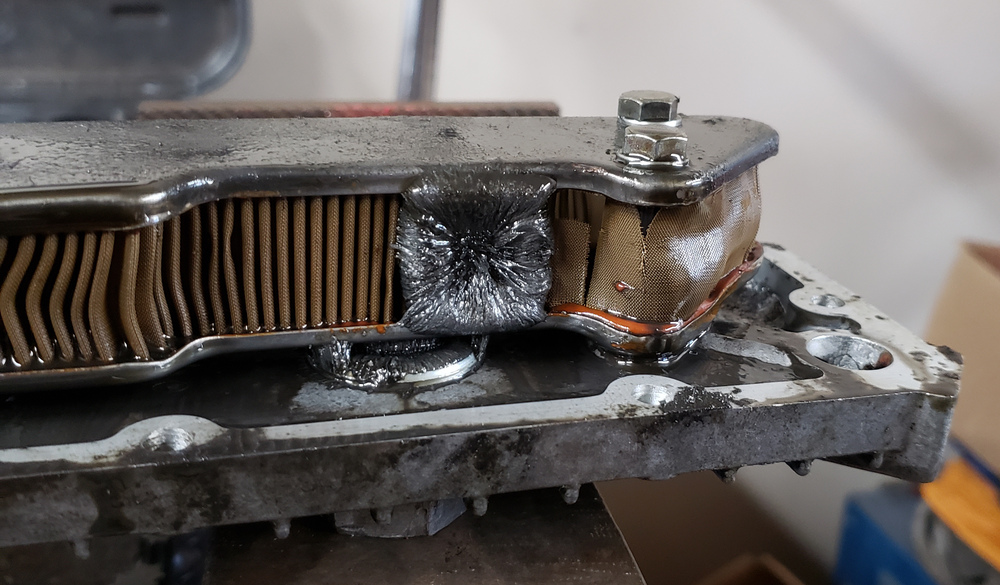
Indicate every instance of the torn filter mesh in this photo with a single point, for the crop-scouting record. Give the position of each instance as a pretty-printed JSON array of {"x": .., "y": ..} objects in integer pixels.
[
  {"x": 650, "y": 264},
  {"x": 238, "y": 266},
  {"x": 498, "y": 258}
]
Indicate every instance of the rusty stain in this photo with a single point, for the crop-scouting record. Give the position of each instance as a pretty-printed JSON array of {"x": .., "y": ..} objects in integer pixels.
[
  {"x": 709, "y": 306},
  {"x": 883, "y": 360}
]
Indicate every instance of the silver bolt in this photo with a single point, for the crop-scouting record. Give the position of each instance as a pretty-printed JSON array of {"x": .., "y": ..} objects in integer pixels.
[
  {"x": 570, "y": 493},
  {"x": 648, "y": 106},
  {"x": 383, "y": 516},
  {"x": 727, "y": 475},
  {"x": 81, "y": 548},
  {"x": 657, "y": 143},
  {"x": 282, "y": 528},
  {"x": 802, "y": 467},
  {"x": 648, "y": 133}
]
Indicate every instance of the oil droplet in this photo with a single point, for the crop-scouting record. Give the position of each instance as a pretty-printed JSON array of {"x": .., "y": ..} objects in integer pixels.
[{"x": 623, "y": 286}]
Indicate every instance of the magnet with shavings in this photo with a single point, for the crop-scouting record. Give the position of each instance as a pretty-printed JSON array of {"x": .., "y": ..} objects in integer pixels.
[{"x": 474, "y": 253}]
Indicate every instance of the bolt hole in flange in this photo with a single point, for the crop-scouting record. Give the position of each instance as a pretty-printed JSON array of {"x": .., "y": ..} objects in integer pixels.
[
  {"x": 652, "y": 394},
  {"x": 852, "y": 353},
  {"x": 829, "y": 301}
]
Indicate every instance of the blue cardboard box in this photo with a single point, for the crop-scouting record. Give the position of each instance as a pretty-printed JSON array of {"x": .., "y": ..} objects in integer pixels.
[{"x": 875, "y": 543}]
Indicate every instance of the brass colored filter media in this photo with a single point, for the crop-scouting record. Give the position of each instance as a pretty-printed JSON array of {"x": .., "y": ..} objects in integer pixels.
[
  {"x": 238, "y": 266},
  {"x": 651, "y": 264}
]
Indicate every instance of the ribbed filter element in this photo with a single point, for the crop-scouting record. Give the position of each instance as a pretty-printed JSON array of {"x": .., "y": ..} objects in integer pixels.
[
  {"x": 81, "y": 289},
  {"x": 248, "y": 230},
  {"x": 238, "y": 266},
  {"x": 175, "y": 281},
  {"x": 12, "y": 319},
  {"x": 571, "y": 229},
  {"x": 57, "y": 302},
  {"x": 264, "y": 239},
  {"x": 33, "y": 300},
  {"x": 196, "y": 259},
  {"x": 299, "y": 251},
  {"x": 97, "y": 305},
  {"x": 129, "y": 312}
]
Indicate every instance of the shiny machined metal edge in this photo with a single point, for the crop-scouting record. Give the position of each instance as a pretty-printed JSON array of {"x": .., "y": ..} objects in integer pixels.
[
  {"x": 173, "y": 474},
  {"x": 78, "y": 176}
]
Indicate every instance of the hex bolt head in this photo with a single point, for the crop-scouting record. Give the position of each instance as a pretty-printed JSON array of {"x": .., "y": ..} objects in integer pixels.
[
  {"x": 282, "y": 528},
  {"x": 801, "y": 468},
  {"x": 479, "y": 506},
  {"x": 383, "y": 516},
  {"x": 727, "y": 475},
  {"x": 648, "y": 106},
  {"x": 656, "y": 144},
  {"x": 570, "y": 493}
]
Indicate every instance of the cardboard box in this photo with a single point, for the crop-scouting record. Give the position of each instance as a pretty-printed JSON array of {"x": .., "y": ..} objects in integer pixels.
[
  {"x": 685, "y": 528},
  {"x": 752, "y": 570},
  {"x": 876, "y": 545},
  {"x": 967, "y": 319}
]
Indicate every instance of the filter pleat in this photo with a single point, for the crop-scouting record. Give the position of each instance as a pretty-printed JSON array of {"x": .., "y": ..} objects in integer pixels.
[
  {"x": 8, "y": 300},
  {"x": 100, "y": 322},
  {"x": 249, "y": 260},
  {"x": 214, "y": 271},
  {"x": 378, "y": 250},
  {"x": 3, "y": 253},
  {"x": 284, "y": 285},
  {"x": 363, "y": 258},
  {"x": 299, "y": 282},
  {"x": 33, "y": 299},
  {"x": 196, "y": 282},
  {"x": 79, "y": 303},
  {"x": 229, "y": 268},
  {"x": 390, "y": 260},
  {"x": 315, "y": 262},
  {"x": 347, "y": 259},
  {"x": 266, "y": 273},
  {"x": 332, "y": 259},
  {"x": 174, "y": 281},
  {"x": 159, "y": 293},
  {"x": 127, "y": 295},
  {"x": 144, "y": 290},
  {"x": 57, "y": 302}
]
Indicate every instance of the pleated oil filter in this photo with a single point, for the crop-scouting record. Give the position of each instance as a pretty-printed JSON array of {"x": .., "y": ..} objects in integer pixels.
[{"x": 232, "y": 267}]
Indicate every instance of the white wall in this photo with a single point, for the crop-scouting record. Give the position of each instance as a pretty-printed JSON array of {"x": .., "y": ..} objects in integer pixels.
[{"x": 888, "y": 115}]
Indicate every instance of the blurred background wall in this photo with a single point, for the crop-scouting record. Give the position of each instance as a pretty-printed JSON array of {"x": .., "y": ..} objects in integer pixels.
[{"x": 888, "y": 115}]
